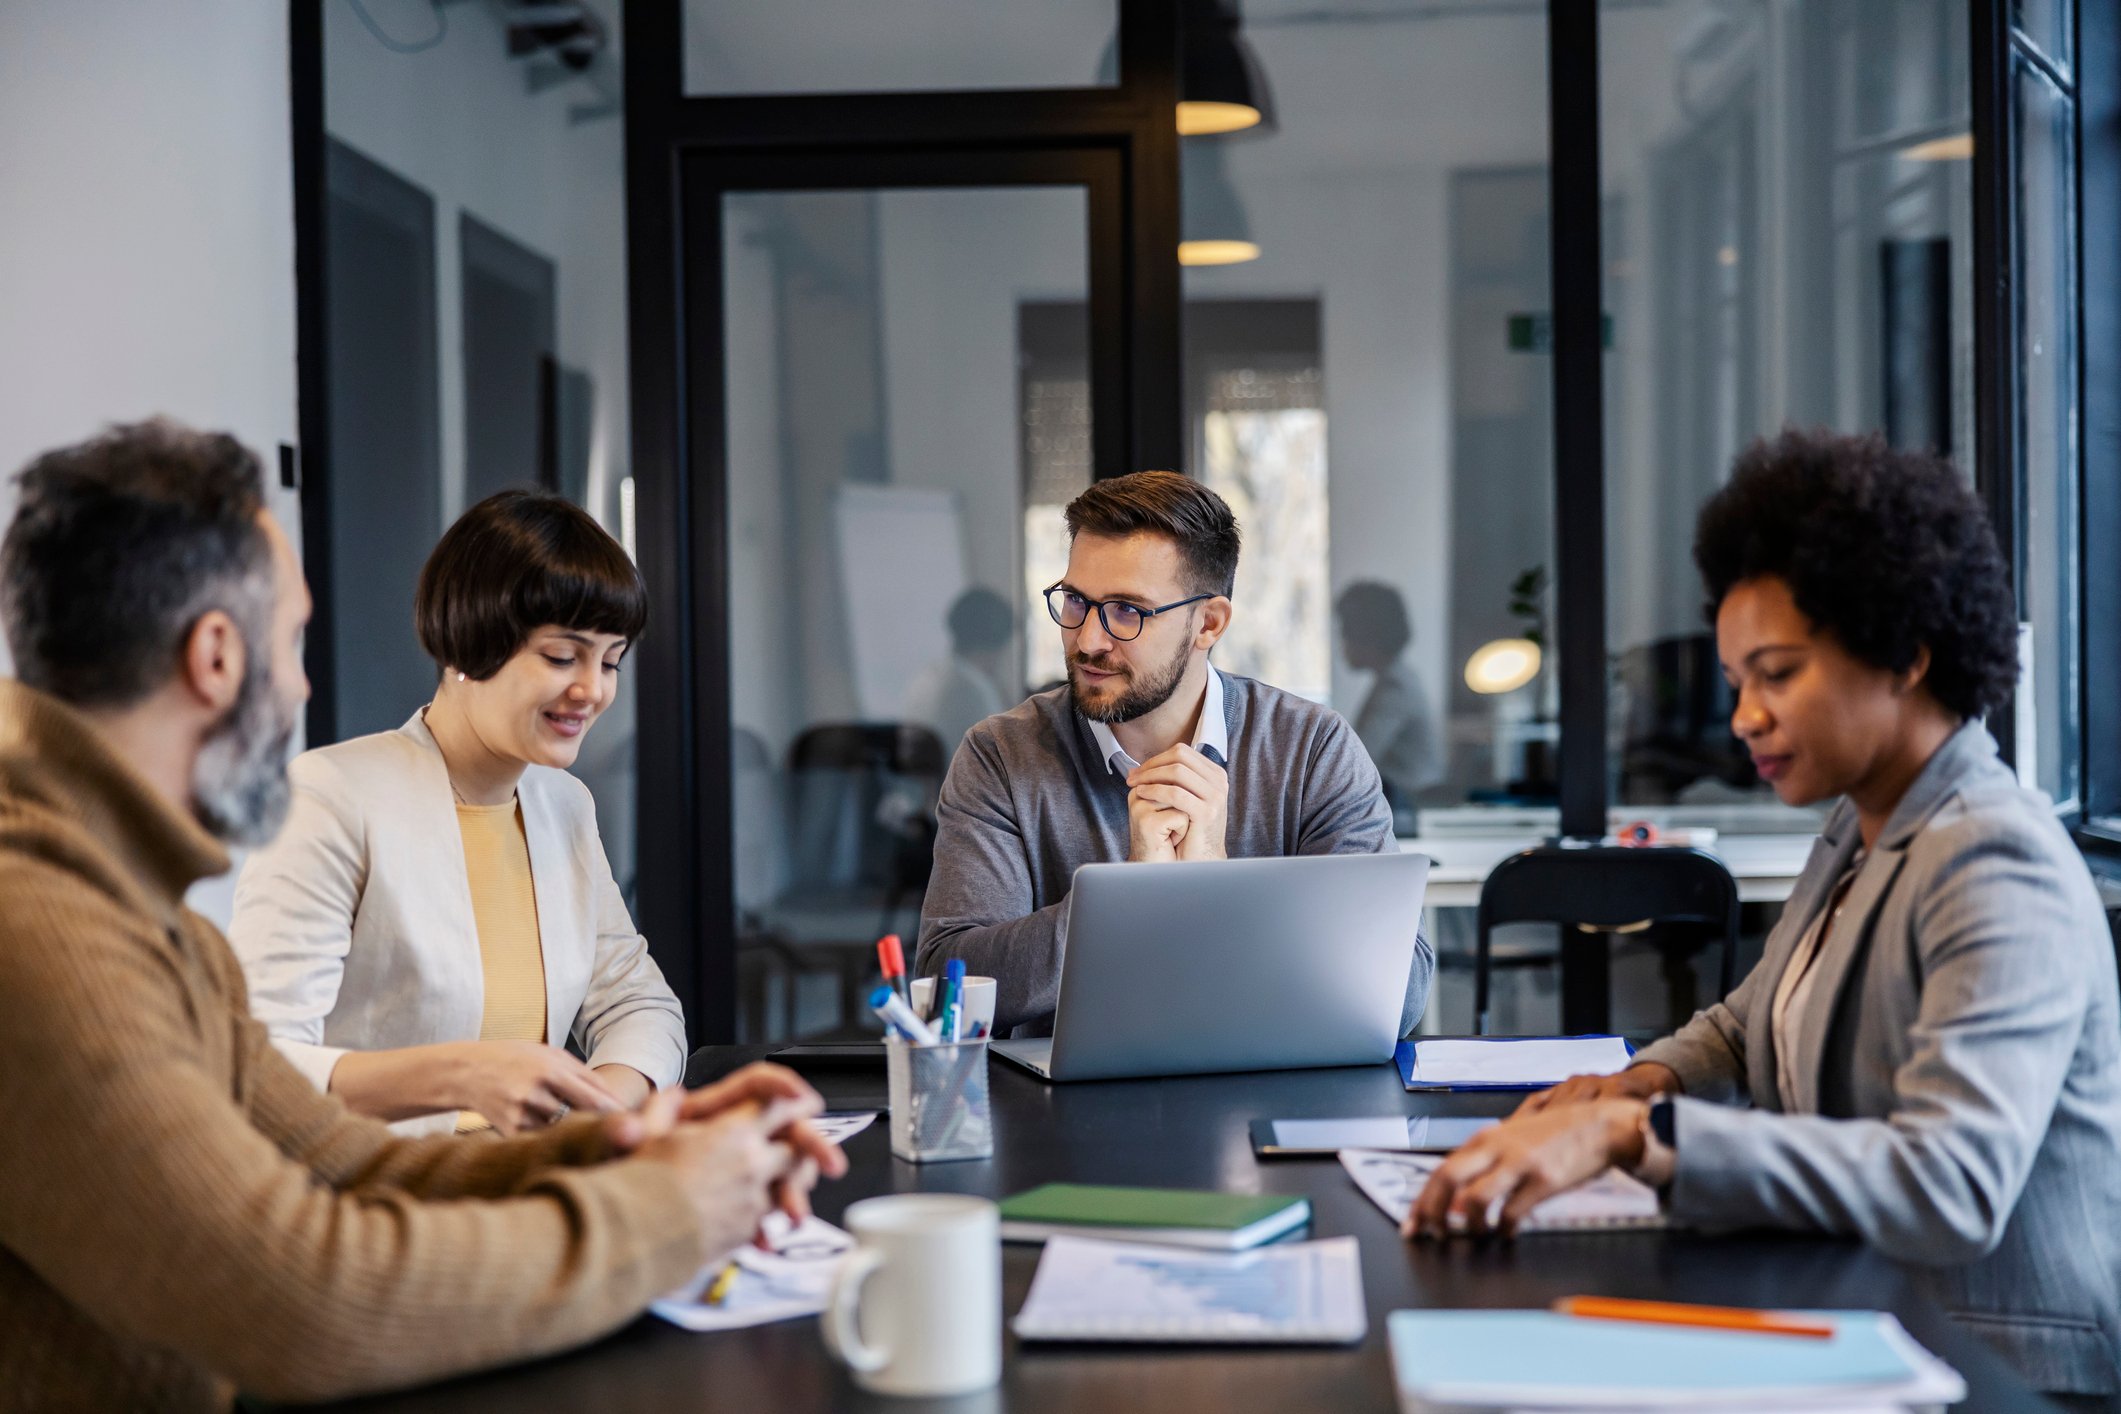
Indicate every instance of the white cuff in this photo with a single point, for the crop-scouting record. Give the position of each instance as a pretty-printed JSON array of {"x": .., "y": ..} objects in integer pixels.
[
  {"x": 314, "y": 1061},
  {"x": 649, "y": 1055}
]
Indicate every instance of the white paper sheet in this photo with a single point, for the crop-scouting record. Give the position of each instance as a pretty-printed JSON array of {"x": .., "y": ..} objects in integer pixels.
[
  {"x": 1393, "y": 1181},
  {"x": 1294, "y": 1292},
  {"x": 792, "y": 1280},
  {"x": 840, "y": 1128},
  {"x": 1538, "y": 1060}
]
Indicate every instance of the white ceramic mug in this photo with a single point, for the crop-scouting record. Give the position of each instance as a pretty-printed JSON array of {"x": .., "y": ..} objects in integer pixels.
[
  {"x": 917, "y": 1306},
  {"x": 979, "y": 1001}
]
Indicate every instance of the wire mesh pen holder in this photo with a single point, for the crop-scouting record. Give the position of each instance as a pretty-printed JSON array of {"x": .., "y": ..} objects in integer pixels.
[{"x": 939, "y": 1106}]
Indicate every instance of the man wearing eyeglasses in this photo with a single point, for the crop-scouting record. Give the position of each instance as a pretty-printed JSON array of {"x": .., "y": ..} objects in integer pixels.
[{"x": 1146, "y": 753}]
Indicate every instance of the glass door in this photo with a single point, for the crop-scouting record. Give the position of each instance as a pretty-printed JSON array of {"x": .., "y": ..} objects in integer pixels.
[{"x": 911, "y": 387}]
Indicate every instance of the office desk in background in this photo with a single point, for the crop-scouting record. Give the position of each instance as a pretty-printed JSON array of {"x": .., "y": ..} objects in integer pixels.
[
  {"x": 1765, "y": 866},
  {"x": 1192, "y": 1132}
]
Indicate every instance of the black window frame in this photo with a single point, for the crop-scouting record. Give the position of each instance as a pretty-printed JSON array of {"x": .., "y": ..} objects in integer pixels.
[{"x": 2096, "y": 68}]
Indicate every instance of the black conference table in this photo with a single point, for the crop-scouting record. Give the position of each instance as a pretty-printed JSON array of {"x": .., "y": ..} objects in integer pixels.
[{"x": 1194, "y": 1132}]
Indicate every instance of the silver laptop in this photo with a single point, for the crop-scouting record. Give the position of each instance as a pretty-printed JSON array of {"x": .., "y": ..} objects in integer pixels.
[{"x": 1238, "y": 964}]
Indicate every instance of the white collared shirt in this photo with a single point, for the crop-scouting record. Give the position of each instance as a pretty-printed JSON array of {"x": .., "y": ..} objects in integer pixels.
[{"x": 1211, "y": 738}]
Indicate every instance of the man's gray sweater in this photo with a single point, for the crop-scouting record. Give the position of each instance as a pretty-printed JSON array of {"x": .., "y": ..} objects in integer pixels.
[{"x": 1027, "y": 800}]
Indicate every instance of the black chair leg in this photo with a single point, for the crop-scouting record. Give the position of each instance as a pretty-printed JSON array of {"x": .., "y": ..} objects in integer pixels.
[{"x": 1480, "y": 981}]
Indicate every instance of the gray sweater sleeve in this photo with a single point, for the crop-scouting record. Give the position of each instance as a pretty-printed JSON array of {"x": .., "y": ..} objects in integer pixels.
[
  {"x": 1345, "y": 812},
  {"x": 979, "y": 904}
]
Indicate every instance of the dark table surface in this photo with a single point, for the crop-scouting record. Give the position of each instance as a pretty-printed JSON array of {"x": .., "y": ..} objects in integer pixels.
[{"x": 1194, "y": 1132}]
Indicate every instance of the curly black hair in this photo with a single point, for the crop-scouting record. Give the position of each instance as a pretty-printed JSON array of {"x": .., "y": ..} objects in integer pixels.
[{"x": 1890, "y": 551}]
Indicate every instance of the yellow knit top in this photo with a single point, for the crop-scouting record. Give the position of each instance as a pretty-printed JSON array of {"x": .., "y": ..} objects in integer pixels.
[{"x": 504, "y": 905}]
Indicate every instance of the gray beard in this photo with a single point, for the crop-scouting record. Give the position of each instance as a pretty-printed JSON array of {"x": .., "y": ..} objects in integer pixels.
[{"x": 239, "y": 785}]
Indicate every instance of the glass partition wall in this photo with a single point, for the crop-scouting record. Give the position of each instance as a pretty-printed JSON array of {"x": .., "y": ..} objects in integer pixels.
[
  {"x": 1788, "y": 216},
  {"x": 1361, "y": 386},
  {"x": 474, "y": 333},
  {"x": 878, "y": 564},
  {"x": 888, "y": 294}
]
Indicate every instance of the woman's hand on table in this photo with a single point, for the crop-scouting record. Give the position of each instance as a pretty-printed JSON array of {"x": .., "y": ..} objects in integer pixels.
[
  {"x": 1491, "y": 1182},
  {"x": 1644, "y": 1080}
]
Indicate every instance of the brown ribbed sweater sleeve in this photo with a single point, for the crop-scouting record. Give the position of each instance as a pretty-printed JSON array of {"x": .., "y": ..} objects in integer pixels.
[{"x": 169, "y": 1174}]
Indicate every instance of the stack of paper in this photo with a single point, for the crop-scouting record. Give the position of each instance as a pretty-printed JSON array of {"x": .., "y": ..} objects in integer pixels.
[
  {"x": 793, "y": 1279},
  {"x": 1307, "y": 1293},
  {"x": 1540, "y": 1361},
  {"x": 1613, "y": 1200},
  {"x": 1507, "y": 1062}
]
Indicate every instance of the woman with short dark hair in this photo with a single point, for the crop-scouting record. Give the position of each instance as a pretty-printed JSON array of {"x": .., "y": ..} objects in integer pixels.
[
  {"x": 1928, "y": 1056},
  {"x": 438, "y": 917}
]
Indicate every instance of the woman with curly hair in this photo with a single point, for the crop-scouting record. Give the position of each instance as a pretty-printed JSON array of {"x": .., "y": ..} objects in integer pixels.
[{"x": 1928, "y": 1056}]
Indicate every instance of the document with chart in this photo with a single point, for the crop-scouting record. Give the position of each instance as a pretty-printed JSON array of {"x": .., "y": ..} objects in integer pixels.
[
  {"x": 1613, "y": 1200},
  {"x": 1297, "y": 1293}
]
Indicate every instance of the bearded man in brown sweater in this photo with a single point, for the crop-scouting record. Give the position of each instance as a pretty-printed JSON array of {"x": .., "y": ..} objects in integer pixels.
[{"x": 182, "y": 1214}]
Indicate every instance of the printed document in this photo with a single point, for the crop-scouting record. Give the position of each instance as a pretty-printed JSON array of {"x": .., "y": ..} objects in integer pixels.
[
  {"x": 1613, "y": 1200},
  {"x": 1290, "y": 1293},
  {"x": 791, "y": 1280}
]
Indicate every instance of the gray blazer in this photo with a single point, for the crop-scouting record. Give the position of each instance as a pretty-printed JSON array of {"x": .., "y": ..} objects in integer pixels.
[{"x": 1963, "y": 1113}]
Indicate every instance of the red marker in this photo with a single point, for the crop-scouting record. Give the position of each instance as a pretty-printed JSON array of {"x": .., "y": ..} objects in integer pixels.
[{"x": 891, "y": 955}]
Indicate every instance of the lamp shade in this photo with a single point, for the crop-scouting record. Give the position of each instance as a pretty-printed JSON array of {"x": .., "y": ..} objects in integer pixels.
[
  {"x": 1503, "y": 665},
  {"x": 1221, "y": 87},
  {"x": 1953, "y": 147},
  {"x": 1213, "y": 229}
]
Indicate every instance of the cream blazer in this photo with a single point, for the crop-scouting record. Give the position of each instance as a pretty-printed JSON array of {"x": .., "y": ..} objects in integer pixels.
[{"x": 355, "y": 926}]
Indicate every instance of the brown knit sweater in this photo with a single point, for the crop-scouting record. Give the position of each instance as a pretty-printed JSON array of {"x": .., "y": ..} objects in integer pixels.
[{"x": 181, "y": 1213}]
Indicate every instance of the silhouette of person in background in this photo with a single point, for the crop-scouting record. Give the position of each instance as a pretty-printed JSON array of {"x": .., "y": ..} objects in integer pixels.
[
  {"x": 954, "y": 693},
  {"x": 1395, "y": 723}
]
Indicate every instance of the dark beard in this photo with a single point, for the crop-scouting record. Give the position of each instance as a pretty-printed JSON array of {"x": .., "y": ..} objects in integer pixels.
[{"x": 1142, "y": 696}]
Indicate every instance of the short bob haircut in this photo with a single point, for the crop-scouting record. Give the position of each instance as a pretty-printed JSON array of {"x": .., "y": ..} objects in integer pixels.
[
  {"x": 1889, "y": 551},
  {"x": 513, "y": 563}
]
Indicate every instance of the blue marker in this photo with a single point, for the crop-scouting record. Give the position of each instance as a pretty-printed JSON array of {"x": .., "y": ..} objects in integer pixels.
[
  {"x": 899, "y": 1017},
  {"x": 953, "y": 1012}
]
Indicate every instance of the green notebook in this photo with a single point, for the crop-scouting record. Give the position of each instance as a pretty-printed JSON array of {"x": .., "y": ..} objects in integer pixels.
[{"x": 1174, "y": 1217}]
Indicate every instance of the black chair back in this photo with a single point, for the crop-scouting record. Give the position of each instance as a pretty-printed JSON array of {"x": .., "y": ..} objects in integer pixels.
[
  {"x": 862, "y": 805},
  {"x": 1608, "y": 889}
]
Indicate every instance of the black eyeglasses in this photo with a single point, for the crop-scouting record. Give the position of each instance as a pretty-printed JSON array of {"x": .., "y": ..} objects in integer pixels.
[{"x": 1121, "y": 619}]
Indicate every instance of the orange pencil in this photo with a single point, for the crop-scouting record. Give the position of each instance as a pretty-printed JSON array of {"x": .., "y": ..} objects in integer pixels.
[{"x": 1676, "y": 1313}]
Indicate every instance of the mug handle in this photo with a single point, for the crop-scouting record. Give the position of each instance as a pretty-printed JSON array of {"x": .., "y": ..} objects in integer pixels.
[{"x": 841, "y": 1324}]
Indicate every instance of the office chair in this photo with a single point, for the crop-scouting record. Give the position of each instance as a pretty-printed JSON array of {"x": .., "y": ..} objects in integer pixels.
[
  {"x": 1679, "y": 898},
  {"x": 763, "y": 950},
  {"x": 861, "y": 801},
  {"x": 1676, "y": 722}
]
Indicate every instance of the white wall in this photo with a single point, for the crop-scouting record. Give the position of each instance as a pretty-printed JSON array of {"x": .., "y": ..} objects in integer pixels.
[
  {"x": 147, "y": 242},
  {"x": 147, "y": 246}
]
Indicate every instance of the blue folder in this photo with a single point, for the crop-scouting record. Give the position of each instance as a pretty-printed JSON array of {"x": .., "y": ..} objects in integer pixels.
[
  {"x": 1538, "y": 1358},
  {"x": 1403, "y": 1057}
]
